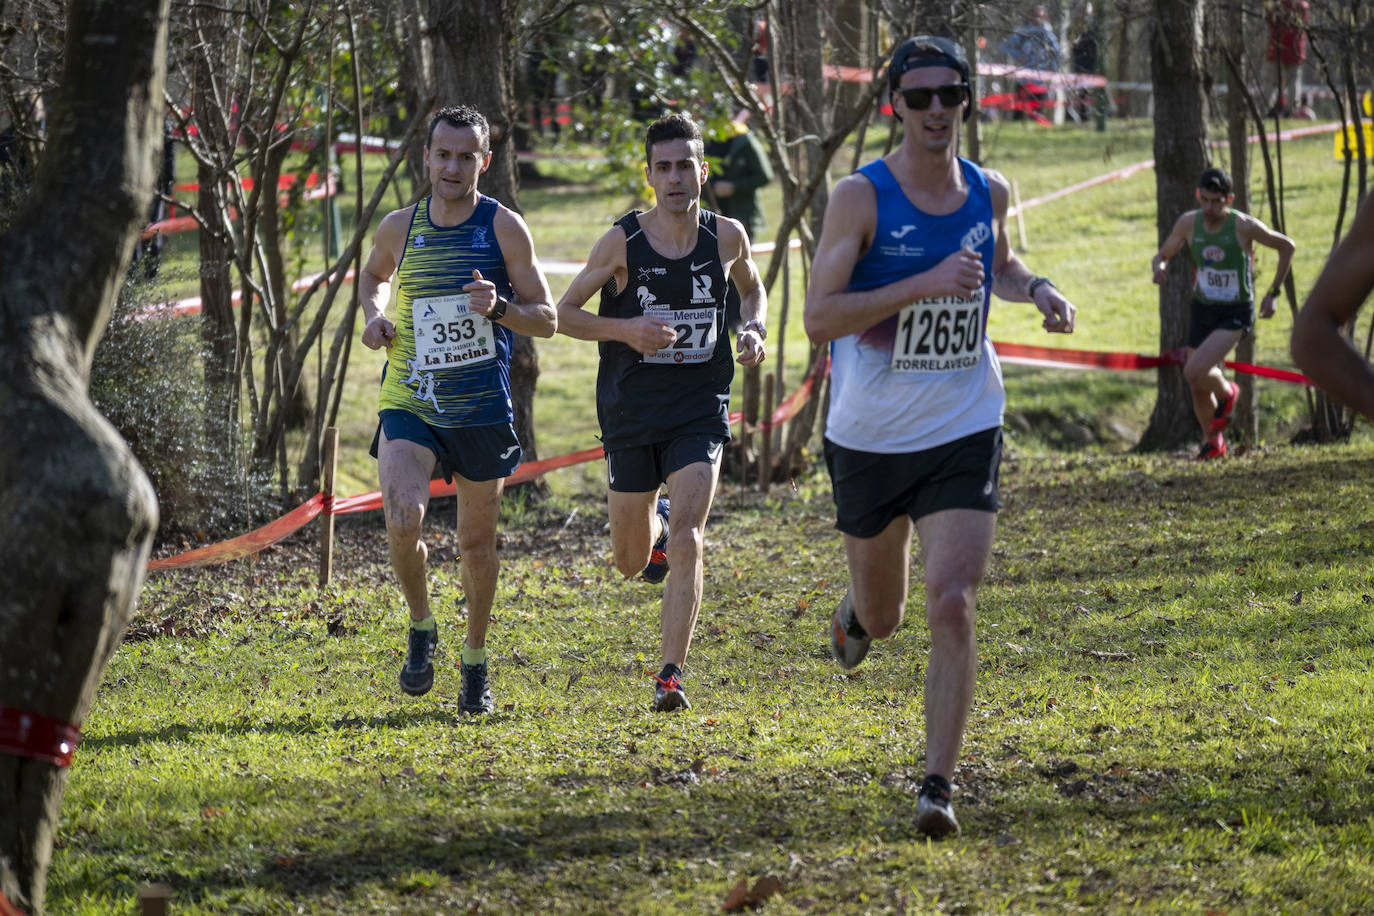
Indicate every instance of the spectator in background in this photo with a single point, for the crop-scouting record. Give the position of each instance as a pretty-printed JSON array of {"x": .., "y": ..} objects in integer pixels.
[
  {"x": 759, "y": 69},
  {"x": 1083, "y": 59},
  {"x": 739, "y": 168},
  {"x": 1304, "y": 110},
  {"x": 684, "y": 53},
  {"x": 1032, "y": 46}
]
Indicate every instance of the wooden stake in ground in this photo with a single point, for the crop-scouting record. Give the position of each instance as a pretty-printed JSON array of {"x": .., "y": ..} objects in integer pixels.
[{"x": 327, "y": 471}]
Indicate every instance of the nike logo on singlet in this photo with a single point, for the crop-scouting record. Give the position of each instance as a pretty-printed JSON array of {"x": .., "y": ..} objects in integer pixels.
[
  {"x": 508, "y": 452},
  {"x": 701, "y": 266}
]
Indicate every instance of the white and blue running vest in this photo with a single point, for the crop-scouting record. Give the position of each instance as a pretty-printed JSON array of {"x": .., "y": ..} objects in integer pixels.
[{"x": 928, "y": 375}]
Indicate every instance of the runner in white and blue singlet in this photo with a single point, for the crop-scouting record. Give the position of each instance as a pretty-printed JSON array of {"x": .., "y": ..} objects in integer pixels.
[{"x": 911, "y": 248}]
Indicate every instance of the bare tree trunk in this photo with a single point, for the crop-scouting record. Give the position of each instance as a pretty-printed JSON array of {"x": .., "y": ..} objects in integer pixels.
[
  {"x": 81, "y": 513},
  {"x": 485, "y": 81},
  {"x": 1245, "y": 422},
  {"x": 1180, "y": 146}
]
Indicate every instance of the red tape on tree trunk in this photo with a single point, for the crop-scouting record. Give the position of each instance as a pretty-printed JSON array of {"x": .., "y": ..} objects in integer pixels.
[{"x": 31, "y": 734}]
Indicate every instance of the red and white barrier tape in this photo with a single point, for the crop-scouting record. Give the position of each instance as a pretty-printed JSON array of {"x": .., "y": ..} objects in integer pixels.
[{"x": 38, "y": 737}]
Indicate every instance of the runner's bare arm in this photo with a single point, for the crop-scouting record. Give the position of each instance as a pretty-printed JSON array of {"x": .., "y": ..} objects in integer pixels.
[
  {"x": 1253, "y": 230},
  {"x": 374, "y": 283},
  {"x": 1319, "y": 346},
  {"x": 831, "y": 310},
  {"x": 1012, "y": 280},
  {"x": 753, "y": 309},
  {"x": 1179, "y": 236},
  {"x": 533, "y": 312},
  {"x": 605, "y": 263}
]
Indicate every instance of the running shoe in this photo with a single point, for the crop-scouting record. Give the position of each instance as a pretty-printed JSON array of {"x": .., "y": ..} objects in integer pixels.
[
  {"x": 934, "y": 814},
  {"x": 1214, "y": 447},
  {"x": 474, "y": 697},
  {"x": 668, "y": 693},
  {"x": 849, "y": 641},
  {"x": 417, "y": 674},
  {"x": 657, "y": 569},
  {"x": 1222, "y": 417}
]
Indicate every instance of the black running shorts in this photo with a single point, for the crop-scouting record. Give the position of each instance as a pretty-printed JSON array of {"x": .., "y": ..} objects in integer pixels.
[
  {"x": 872, "y": 489},
  {"x": 641, "y": 468},
  {"x": 474, "y": 452},
  {"x": 1203, "y": 319}
]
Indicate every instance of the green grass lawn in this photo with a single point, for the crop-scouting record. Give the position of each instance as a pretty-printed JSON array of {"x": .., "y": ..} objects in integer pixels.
[{"x": 1173, "y": 715}]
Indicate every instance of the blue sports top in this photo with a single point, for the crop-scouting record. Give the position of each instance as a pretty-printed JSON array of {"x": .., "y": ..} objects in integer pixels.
[
  {"x": 927, "y": 375},
  {"x": 448, "y": 366}
]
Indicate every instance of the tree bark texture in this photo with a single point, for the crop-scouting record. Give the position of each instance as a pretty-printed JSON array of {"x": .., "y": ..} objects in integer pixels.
[
  {"x": 1180, "y": 146},
  {"x": 80, "y": 511},
  {"x": 1245, "y": 421},
  {"x": 476, "y": 67}
]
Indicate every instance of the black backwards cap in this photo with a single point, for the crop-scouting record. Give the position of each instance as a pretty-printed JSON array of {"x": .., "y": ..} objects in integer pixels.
[
  {"x": 927, "y": 51},
  {"x": 1215, "y": 180}
]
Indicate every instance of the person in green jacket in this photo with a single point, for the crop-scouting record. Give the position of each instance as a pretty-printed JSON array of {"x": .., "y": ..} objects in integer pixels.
[
  {"x": 734, "y": 184},
  {"x": 1221, "y": 242}
]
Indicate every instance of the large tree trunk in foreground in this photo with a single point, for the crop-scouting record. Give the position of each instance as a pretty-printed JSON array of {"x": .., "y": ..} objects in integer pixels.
[
  {"x": 1180, "y": 156},
  {"x": 80, "y": 512}
]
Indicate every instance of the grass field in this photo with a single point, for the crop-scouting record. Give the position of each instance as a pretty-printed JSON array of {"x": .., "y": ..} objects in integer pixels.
[
  {"x": 1173, "y": 716},
  {"x": 1173, "y": 712}
]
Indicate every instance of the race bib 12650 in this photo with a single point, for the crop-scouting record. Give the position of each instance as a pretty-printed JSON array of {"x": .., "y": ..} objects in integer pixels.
[{"x": 939, "y": 335}]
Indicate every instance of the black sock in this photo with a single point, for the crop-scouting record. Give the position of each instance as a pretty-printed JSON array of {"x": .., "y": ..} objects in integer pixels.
[
  {"x": 669, "y": 672},
  {"x": 938, "y": 784}
]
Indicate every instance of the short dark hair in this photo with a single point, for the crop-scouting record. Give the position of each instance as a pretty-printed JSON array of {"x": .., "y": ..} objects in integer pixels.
[
  {"x": 673, "y": 127},
  {"x": 1215, "y": 180},
  {"x": 462, "y": 116}
]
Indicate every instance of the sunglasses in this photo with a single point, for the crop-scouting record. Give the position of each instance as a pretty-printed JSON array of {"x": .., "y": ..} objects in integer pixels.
[{"x": 950, "y": 96}]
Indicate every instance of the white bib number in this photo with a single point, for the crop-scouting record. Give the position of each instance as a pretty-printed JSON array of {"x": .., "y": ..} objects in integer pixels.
[
  {"x": 696, "y": 336},
  {"x": 448, "y": 335},
  {"x": 1218, "y": 285},
  {"x": 939, "y": 335}
]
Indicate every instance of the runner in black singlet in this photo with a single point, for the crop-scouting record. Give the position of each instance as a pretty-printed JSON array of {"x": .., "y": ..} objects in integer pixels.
[{"x": 664, "y": 381}]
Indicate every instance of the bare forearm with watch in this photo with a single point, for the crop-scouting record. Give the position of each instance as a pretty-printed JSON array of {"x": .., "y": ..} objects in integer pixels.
[
  {"x": 534, "y": 319},
  {"x": 752, "y": 334},
  {"x": 1015, "y": 283}
]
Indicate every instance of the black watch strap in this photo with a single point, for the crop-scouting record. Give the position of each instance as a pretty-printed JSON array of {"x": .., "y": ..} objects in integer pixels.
[{"x": 498, "y": 310}]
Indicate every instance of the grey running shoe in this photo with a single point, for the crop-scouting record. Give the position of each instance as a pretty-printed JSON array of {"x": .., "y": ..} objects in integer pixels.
[
  {"x": 934, "y": 814},
  {"x": 849, "y": 641},
  {"x": 417, "y": 674},
  {"x": 657, "y": 568},
  {"x": 474, "y": 698},
  {"x": 668, "y": 693}
]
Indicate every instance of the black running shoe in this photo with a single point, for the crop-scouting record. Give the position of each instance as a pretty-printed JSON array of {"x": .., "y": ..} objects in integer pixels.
[
  {"x": 474, "y": 698},
  {"x": 657, "y": 569},
  {"x": 668, "y": 693},
  {"x": 417, "y": 674},
  {"x": 934, "y": 814}
]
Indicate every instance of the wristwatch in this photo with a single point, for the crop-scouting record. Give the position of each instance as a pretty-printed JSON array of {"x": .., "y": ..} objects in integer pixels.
[
  {"x": 753, "y": 324},
  {"x": 498, "y": 310},
  {"x": 1036, "y": 284}
]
